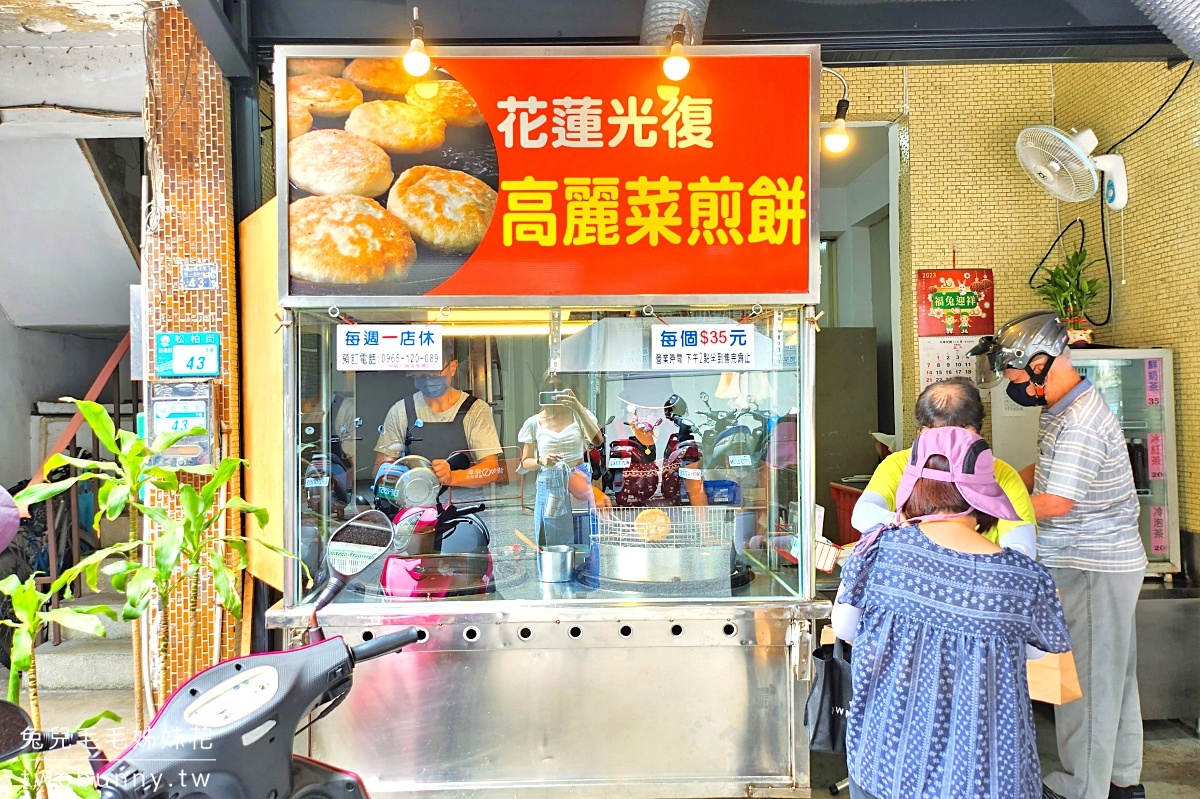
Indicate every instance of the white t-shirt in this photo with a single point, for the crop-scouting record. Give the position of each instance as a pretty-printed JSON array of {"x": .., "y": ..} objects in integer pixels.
[
  {"x": 567, "y": 443},
  {"x": 478, "y": 424}
]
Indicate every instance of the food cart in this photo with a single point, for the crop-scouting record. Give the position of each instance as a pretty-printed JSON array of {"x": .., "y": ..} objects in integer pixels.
[{"x": 648, "y": 243}]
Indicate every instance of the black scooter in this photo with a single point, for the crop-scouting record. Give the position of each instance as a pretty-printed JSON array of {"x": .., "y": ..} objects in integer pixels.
[{"x": 227, "y": 732}]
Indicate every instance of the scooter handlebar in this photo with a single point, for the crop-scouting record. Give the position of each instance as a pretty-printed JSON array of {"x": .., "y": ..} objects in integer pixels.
[{"x": 384, "y": 645}]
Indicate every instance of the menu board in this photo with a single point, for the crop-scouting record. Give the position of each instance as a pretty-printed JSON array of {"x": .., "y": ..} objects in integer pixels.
[{"x": 548, "y": 173}]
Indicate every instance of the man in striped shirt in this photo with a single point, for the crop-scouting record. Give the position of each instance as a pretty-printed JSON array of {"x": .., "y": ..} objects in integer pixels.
[{"x": 1087, "y": 512}]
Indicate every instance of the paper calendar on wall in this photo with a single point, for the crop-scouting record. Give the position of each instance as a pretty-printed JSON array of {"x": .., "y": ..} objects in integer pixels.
[
  {"x": 943, "y": 357},
  {"x": 954, "y": 310}
]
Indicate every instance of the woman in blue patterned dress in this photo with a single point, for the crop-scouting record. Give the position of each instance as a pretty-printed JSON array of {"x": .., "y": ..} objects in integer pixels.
[{"x": 942, "y": 622}]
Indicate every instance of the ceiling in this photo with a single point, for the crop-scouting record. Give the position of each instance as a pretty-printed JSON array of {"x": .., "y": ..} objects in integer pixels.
[
  {"x": 61, "y": 16},
  {"x": 69, "y": 70},
  {"x": 65, "y": 262},
  {"x": 868, "y": 144}
]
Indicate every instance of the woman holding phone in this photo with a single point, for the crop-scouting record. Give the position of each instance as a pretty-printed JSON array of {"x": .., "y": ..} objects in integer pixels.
[{"x": 555, "y": 443}]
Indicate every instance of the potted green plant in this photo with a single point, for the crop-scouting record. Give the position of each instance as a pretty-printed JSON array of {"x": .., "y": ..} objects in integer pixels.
[
  {"x": 122, "y": 482},
  {"x": 187, "y": 546},
  {"x": 25, "y": 777},
  {"x": 1071, "y": 293}
]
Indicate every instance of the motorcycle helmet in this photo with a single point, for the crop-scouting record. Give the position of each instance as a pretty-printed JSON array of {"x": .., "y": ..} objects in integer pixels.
[{"x": 1016, "y": 345}]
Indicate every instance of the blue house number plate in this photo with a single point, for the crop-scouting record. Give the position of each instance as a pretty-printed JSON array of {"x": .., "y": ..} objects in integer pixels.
[{"x": 187, "y": 355}]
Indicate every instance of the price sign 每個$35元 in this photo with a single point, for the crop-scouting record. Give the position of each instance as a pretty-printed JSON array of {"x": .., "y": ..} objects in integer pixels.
[{"x": 725, "y": 348}]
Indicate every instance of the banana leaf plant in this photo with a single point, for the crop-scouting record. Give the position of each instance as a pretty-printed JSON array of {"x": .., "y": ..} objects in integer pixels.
[
  {"x": 186, "y": 550},
  {"x": 25, "y": 776},
  {"x": 122, "y": 484}
]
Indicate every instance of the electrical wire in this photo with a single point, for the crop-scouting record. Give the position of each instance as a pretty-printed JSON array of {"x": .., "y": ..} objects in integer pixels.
[
  {"x": 1107, "y": 262},
  {"x": 1104, "y": 205},
  {"x": 1150, "y": 118},
  {"x": 99, "y": 113},
  {"x": 1082, "y": 238}
]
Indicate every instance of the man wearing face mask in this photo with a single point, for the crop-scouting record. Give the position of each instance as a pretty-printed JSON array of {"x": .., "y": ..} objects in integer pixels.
[
  {"x": 1087, "y": 512},
  {"x": 457, "y": 432}
]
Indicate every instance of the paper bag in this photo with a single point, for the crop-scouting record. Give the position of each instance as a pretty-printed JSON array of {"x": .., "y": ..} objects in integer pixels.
[{"x": 1053, "y": 679}]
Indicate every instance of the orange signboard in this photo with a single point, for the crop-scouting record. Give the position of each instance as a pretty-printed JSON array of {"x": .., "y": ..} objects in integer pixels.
[{"x": 524, "y": 176}]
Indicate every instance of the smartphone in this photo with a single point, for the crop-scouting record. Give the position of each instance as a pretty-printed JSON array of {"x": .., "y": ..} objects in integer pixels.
[{"x": 548, "y": 399}]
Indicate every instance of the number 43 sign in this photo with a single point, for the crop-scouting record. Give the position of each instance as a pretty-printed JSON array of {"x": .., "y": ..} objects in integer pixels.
[{"x": 187, "y": 355}]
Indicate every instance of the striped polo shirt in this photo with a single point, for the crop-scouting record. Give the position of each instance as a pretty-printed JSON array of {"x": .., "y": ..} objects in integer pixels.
[{"x": 1082, "y": 457}]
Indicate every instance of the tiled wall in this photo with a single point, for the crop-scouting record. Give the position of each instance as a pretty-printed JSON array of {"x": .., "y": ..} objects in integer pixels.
[
  {"x": 1155, "y": 241},
  {"x": 188, "y": 155},
  {"x": 961, "y": 186}
]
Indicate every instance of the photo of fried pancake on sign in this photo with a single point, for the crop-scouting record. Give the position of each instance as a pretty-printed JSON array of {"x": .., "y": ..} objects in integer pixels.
[
  {"x": 445, "y": 210},
  {"x": 348, "y": 239},
  {"x": 332, "y": 161},
  {"x": 380, "y": 78},
  {"x": 323, "y": 96},
  {"x": 416, "y": 150}
]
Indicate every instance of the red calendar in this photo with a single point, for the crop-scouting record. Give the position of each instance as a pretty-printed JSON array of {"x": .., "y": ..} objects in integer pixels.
[
  {"x": 954, "y": 308},
  {"x": 955, "y": 302}
]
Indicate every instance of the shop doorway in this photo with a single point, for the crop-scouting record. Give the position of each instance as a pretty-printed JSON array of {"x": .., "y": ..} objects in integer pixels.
[
  {"x": 857, "y": 357},
  {"x": 860, "y": 255}
]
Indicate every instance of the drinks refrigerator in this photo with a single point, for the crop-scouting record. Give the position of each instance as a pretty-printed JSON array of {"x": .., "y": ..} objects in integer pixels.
[{"x": 1138, "y": 385}]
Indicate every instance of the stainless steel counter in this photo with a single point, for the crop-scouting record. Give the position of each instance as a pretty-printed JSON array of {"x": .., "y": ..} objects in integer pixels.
[{"x": 614, "y": 700}]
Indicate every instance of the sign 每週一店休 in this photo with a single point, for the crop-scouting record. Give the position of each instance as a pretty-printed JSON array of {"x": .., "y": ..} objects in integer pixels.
[
  {"x": 382, "y": 348},
  {"x": 558, "y": 175},
  {"x": 728, "y": 348},
  {"x": 184, "y": 355}
]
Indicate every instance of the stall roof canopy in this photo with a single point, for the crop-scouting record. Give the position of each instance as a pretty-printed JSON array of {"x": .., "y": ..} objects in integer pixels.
[{"x": 850, "y": 32}]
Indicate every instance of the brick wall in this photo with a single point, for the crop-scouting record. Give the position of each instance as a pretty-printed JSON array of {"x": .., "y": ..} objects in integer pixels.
[
  {"x": 961, "y": 186},
  {"x": 1155, "y": 241},
  {"x": 188, "y": 155}
]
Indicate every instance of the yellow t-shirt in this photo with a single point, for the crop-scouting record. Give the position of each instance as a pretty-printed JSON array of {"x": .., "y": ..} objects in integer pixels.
[{"x": 886, "y": 481}]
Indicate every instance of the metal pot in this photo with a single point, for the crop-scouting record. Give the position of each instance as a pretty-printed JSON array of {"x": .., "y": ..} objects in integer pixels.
[
  {"x": 419, "y": 486},
  {"x": 555, "y": 563}
]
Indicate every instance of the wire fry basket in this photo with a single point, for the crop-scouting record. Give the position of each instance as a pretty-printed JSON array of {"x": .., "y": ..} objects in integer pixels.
[
  {"x": 698, "y": 545},
  {"x": 690, "y": 527}
]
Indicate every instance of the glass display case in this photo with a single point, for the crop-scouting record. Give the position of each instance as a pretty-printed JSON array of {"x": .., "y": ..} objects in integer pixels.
[
  {"x": 1138, "y": 385},
  {"x": 555, "y": 453}
]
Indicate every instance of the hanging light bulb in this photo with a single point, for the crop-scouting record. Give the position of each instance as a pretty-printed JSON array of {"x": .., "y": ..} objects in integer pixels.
[
  {"x": 837, "y": 139},
  {"x": 416, "y": 61},
  {"x": 676, "y": 65}
]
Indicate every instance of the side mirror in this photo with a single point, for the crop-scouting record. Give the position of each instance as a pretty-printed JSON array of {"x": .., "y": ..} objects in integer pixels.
[
  {"x": 356, "y": 544},
  {"x": 14, "y": 731},
  {"x": 351, "y": 550}
]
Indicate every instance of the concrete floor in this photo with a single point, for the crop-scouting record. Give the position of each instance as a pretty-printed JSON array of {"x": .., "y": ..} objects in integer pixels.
[{"x": 1171, "y": 770}]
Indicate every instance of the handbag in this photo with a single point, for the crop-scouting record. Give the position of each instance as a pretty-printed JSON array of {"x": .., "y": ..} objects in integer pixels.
[{"x": 828, "y": 706}]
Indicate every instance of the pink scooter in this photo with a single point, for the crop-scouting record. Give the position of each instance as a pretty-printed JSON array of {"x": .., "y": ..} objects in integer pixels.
[
  {"x": 227, "y": 732},
  {"x": 446, "y": 553}
]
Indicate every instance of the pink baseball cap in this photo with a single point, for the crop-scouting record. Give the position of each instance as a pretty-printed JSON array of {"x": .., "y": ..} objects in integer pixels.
[
  {"x": 10, "y": 520},
  {"x": 972, "y": 470}
]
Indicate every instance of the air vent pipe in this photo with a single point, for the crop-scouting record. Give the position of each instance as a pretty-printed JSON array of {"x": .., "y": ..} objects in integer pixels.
[
  {"x": 1178, "y": 19},
  {"x": 661, "y": 16}
]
